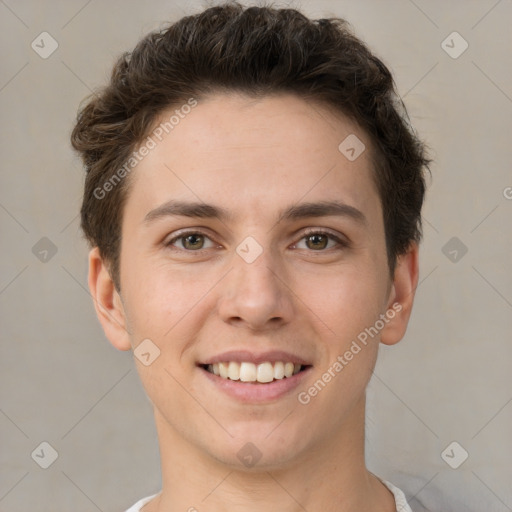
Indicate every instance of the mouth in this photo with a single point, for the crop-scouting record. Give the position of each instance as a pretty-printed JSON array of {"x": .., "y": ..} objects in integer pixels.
[
  {"x": 255, "y": 378},
  {"x": 249, "y": 372}
]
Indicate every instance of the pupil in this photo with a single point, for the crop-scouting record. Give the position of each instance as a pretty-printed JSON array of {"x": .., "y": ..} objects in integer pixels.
[
  {"x": 315, "y": 239},
  {"x": 193, "y": 241}
]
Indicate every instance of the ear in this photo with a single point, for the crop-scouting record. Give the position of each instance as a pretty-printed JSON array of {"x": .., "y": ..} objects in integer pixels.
[
  {"x": 107, "y": 302},
  {"x": 401, "y": 296}
]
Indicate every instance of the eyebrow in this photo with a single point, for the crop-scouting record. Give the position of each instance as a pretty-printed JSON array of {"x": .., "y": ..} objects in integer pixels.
[
  {"x": 323, "y": 209},
  {"x": 294, "y": 212},
  {"x": 187, "y": 209}
]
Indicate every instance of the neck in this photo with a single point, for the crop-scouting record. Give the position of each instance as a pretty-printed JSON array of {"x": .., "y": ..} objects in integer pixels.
[{"x": 331, "y": 476}]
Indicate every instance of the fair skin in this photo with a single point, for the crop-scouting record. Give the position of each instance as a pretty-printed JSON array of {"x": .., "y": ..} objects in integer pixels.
[{"x": 308, "y": 296}]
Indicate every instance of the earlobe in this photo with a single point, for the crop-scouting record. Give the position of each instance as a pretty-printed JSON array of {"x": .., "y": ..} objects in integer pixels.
[
  {"x": 401, "y": 296},
  {"x": 107, "y": 302}
]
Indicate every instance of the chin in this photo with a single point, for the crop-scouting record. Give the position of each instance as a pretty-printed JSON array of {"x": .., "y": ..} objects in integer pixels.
[{"x": 259, "y": 449}]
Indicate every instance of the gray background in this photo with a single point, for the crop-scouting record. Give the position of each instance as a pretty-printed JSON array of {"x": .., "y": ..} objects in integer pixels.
[{"x": 448, "y": 380}]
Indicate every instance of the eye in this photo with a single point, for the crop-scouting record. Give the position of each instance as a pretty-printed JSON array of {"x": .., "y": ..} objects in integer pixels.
[
  {"x": 190, "y": 241},
  {"x": 321, "y": 240},
  {"x": 314, "y": 240}
]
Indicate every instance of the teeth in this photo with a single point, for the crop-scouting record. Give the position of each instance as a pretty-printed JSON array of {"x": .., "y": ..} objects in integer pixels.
[
  {"x": 278, "y": 370},
  {"x": 247, "y": 372},
  {"x": 265, "y": 372},
  {"x": 234, "y": 371},
  {"x": 223, "y": 369},
  {"x": 250, "y": 372}
]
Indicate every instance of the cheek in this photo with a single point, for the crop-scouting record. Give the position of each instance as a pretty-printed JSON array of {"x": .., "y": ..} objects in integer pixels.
[
  {"x": 162, "y": 301},
  {"x": 346, "y": 300}
]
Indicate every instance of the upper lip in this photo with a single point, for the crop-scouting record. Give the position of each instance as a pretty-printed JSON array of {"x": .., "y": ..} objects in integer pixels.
[{"x": 271, "y": 356}]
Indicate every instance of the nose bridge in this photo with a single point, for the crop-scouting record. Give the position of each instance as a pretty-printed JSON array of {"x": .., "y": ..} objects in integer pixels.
[
  {"x": 258, "y": 275},
  {"x": 254, "y": 292}
]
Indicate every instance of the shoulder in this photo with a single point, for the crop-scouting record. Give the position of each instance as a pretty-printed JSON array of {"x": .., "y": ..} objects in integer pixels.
[
  {"x": 400, "y": 500},
  {"x": 137, "y": 506}
]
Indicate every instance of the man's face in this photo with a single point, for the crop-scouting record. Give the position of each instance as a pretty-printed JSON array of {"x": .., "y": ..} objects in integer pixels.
[{"x": 255, "y": 286}]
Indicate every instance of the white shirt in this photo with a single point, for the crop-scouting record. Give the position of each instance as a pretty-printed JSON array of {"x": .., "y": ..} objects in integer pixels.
[{"x": 401, "y": 502}]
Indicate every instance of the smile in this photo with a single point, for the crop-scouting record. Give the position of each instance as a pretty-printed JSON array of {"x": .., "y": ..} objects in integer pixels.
[{"x": 250, "y": 372}]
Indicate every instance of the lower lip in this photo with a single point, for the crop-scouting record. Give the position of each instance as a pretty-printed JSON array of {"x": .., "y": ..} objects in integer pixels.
[{"x": 257, "y": 392}]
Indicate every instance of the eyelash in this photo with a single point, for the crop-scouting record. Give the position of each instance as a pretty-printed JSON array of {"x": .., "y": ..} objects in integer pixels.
[{"x": 341, "y": 243}]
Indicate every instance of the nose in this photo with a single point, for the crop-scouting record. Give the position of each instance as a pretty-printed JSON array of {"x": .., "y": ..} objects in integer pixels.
[{"x": 255, "y": 295}]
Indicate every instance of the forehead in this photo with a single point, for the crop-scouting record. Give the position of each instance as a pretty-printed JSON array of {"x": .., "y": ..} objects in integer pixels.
[{"x": 254, "y": 155}]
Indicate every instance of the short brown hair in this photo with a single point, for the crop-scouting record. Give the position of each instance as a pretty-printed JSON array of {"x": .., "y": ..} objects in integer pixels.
[{"x": 257, "y": 51}]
